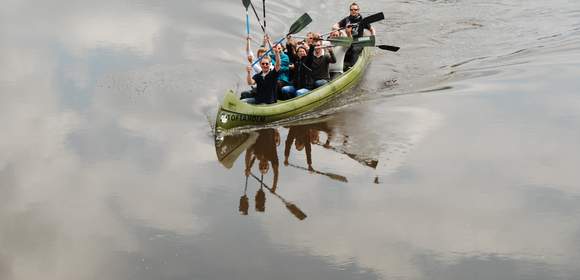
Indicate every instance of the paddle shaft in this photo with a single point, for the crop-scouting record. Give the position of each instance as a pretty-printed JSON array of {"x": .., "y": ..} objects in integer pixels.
[
  {"x": 298, "y": 25},
  {"x": 247, "y": 23},
  {"x": 264, "y": 9},
  {"x": 258, "y": 17},
  {"x": 270, "y": 189},
  {"x": 329, "y": 175}
]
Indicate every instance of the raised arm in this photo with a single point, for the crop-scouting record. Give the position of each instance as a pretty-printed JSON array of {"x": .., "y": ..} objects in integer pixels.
[
  {"x": 373, "y": 31},
  {"x": 249, "y": 53},
  {"x": 249, "y": 79},
  {"x": 332, "y": 58},
  {"x": 278, "y": 60}
]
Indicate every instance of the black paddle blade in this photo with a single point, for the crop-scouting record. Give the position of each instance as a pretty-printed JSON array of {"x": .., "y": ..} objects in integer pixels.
[
  {"x": 373, "y": 18},
  {"x": 300, "y": 23},
  {"x": 246, "y": 3},
  {"x": 388, "y": 48}
]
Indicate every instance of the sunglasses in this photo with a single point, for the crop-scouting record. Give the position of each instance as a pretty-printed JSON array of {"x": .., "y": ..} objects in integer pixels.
[{"x": 265, "y": 63}]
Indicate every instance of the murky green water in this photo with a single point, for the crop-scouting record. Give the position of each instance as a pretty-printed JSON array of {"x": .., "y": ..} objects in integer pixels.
[{"x": 456, "y": 158}]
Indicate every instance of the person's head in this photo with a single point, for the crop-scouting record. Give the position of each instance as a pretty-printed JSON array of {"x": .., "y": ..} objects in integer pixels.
[
  {"x": 314, "y": 136},
  {"x": 263, "y": 166},
  {"x": 316, "y": 36},
  {"x": 299, "y": 144},
  {"x": 354, "y": 10},
  {"x": 265, "y": 64},
  {"x": 302, "y": 52},
  {"x": 309, "y": 38},
  {"x": 279, "y": 47},
  {"x": 318, "y": 47},
  {"x": 261, "y": 51},
  {"x": 334, "y": 33}
]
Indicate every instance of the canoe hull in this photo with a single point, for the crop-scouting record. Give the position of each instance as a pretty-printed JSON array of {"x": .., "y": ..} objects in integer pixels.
[{"x": 233, "y": 113}]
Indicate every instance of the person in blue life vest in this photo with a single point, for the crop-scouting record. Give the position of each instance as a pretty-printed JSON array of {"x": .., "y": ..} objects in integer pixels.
[{"x": 266, "y": 81}]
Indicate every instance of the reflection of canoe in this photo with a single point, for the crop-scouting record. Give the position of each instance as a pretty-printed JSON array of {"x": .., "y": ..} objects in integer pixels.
[
  {"x": 234, "y": 113},
  {"x": 229, "y": 148}
]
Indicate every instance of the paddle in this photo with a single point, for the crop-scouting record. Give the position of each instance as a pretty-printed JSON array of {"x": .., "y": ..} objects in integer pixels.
[
  {"x": 298, "y": 25},
  {"x": 370, "y": 19},
  {"x": 338, "y": 41},
  {"x": 365, "y": 41},
  {"x": 388, "y": 48},
  {"x": 246, "y": 5},
  {"x": 244, "y": 203},
  {"x": 258, "y": 17},
  {"x": 373, "y": 18},
  {"x": 328, "y": 174},
  {"x": 290, "y": 206},
  {"x": 260, "y": 198},
  {"x": 369, "y": 41},
  {"x": 264, "y": 9}
]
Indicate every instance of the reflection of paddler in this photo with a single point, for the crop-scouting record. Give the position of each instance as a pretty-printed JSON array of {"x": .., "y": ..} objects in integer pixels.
[
  {"x": 264, "y": 150},
  {"x": 301, "y": 138}
]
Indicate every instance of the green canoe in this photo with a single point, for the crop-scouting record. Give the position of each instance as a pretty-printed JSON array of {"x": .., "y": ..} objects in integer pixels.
[{"x": 234, "y": 113}]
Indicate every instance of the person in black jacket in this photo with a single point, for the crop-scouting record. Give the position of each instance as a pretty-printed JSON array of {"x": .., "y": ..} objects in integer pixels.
[
  {"x": 320, "y": 64},
  {"x": 302, "y": 81},
  {"x": 354, "y": 24},
  {"x": 265, "y": 81}
]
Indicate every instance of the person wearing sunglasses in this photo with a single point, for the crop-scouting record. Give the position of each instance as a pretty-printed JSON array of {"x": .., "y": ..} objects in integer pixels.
[
  {"x": 353, "y": 23},
  {"x": 265, "y": 81}
]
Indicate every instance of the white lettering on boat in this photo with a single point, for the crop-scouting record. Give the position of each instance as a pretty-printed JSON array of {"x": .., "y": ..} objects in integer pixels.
[{"x": 224, "y": 118}]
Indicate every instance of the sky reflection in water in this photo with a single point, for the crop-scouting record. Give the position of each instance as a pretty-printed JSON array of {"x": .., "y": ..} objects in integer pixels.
[{"x": 108, "y": 168}]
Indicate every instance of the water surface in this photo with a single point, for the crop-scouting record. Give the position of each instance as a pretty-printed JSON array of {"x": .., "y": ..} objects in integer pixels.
[{"x": 456, "y": 157}]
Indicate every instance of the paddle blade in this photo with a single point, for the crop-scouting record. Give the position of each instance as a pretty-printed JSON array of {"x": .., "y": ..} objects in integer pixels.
[
  {"x": 244, "y": 205},
  {"x": 388, "y": 48},
  {"x": 366, "y": 41},
  {"x": 337, "y": 177},
  {"x": 300, "y": 23},
  {"x": 340, "y": 41},
  {"x": 246, "y": 3},
  {"x": 373, "y": 18},
  {"x": 296, "y": 211}
]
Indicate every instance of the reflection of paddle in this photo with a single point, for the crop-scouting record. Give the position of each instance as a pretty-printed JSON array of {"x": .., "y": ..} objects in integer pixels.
[
  {"x": 328, "y": 174},
  {"x": 244, "y": 203},
  {"x": 370, "y": 162},
  {"x": 369, "y": 41},
  {"x": 290, "y": 206}
]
